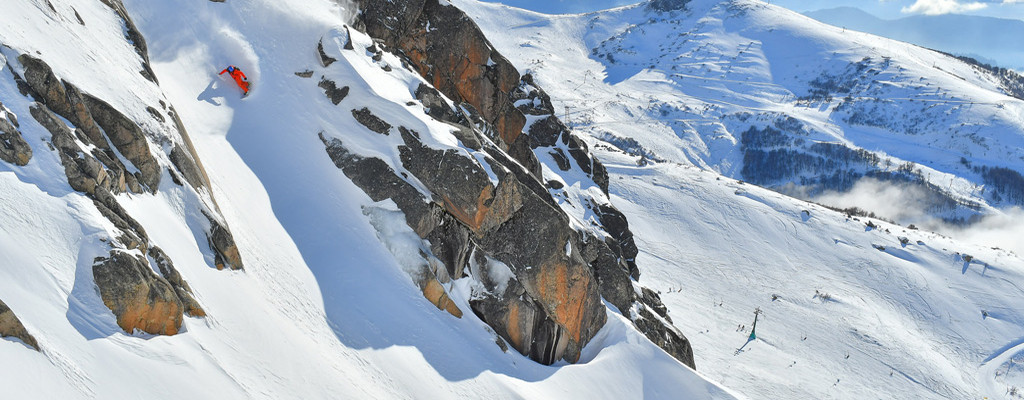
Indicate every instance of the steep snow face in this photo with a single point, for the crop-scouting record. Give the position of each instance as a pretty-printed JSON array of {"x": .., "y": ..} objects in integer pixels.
[
  {"x": 852, "y": 307},
  {"x": 763, "y": 94},
  {"x": 324, "y": 308}
]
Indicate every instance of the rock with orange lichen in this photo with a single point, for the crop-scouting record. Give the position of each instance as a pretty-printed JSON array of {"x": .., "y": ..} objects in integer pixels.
[
  {"x": 448, "y": 49},
  {"x": 138, "y": 297},
  {"x": 493, "y": 209},
  {"x": 546, "y": 303}
]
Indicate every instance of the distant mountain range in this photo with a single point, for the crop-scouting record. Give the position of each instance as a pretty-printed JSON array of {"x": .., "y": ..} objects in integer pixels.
[{"x": 990, "y": 40}]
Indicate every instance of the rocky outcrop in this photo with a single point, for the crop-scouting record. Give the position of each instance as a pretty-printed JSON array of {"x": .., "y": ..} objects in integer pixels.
[
  {"x": 101, "y": 173},
  {"x": 612, "y": 258},
  {"x": 139, "y": 298},
  {"x": 222, "y": 242},
  {"x": 13, "y": 148},
  {"x": 452, "y": 53},
  {"x": 94, "y": 151},
  {"x": 547, "y": 304},
  {"x": 128, "y": 138},
  {"x": 550, "y": 132},
  {"x": 515, "y": 222},
  {"x": 11, "y": 326},
  {"x": 86, "y": 112}
]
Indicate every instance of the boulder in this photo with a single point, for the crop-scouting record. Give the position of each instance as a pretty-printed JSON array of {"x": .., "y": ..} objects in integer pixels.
[
  {"x": 222, "y": 242},
  {"x": 187, "y": 167},
  {"x": 11, "y": 326},
  {"x": 665, "y": 336},
  {"x": 335, "y": 94},
  {"x": 435, "y": 105},
  {"x": 365, "y": 117},
  {"x": 13, "y": 148},
  {"x": 138, "y": 297}
]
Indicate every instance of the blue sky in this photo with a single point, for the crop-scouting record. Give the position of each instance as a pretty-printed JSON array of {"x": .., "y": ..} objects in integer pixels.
[{"x": 888, "y": 9}]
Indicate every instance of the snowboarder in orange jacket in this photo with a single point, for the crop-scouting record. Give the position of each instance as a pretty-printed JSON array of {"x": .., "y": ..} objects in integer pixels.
[{"x": 239, "y": 76}]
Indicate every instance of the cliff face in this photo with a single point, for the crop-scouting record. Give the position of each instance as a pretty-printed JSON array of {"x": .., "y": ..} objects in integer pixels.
[{"x": 560, "y": 266}]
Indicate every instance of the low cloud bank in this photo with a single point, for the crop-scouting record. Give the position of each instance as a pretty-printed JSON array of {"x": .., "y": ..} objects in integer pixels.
[{"x": 909, "y": 204}]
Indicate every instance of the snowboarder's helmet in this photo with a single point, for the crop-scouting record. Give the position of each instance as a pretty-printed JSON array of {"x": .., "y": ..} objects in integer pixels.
[{"x": 231, "y": 68}]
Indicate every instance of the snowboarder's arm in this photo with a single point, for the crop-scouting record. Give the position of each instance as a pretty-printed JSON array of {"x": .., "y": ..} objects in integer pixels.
[
  {"x": 243, "y": 75},
  {"x": 222, "y": 72}
]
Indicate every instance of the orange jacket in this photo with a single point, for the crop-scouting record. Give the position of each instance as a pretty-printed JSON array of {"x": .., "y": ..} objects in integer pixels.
[{"x": 234, "y": 72}]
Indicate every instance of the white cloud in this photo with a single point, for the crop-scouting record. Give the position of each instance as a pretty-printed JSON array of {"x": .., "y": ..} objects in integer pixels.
[
  {"x": 906, "y": 204},
  {"x": 1004, "y": 230},
  {"x": 900, "y": 203},
  {"x": 939, "y": 7}
]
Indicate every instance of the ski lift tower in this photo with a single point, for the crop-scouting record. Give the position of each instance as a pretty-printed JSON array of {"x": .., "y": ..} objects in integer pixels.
[{"x": 753, "y": 329}]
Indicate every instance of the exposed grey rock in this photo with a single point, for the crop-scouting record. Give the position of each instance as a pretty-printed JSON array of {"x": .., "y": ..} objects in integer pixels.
[
  {"x": 222, "y": 242},
  {"x": 128, "y": 138},
  {"x": 617, "y": 226},
  {"x": 85, "y": 173},
  {"x": 78, "y": 17},
  {"x": 348, "y": 43},
  {"x": 304, "y": 74},
  {"x": 653, "y": 300},
  {"x": 435, "y": 105},
  {"x": 173, "y": 277},
  {"x": 138, "y": 297},
  {"x": 191, "y": 165},
  {"x": 332, "y": 91},
  {"x": 156, "y": 114},
  {"x": 372, "y": 122},
  {"x": 560, "y": 159},
  {"x": 186, "y": 165},
  {"x": 611, "y": 272},
  {"x": 467, "y": 136},
  {"x": 665, "y": 336},
  {"x": 325, "y": 59},
  {"x": 13, "y": 148},
  {"x": 11, "y": 326}
]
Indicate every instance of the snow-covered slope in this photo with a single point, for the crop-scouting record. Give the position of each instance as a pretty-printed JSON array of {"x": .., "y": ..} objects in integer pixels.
[
  {"x": 323, "y": 309},
  {"x": 850, "y": 309},
  {"x": 763, "y": 94}
]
